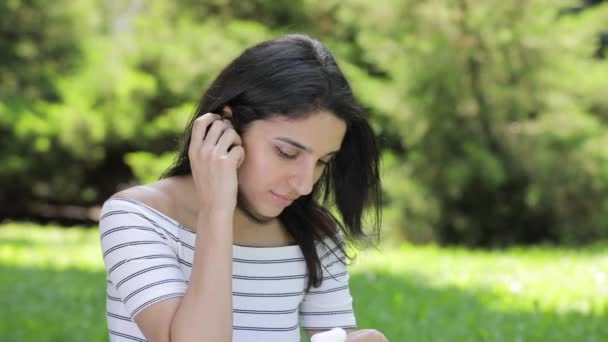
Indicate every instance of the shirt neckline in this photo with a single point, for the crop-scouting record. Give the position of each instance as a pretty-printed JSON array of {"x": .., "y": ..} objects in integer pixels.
[{"x": 179, "y": 225}]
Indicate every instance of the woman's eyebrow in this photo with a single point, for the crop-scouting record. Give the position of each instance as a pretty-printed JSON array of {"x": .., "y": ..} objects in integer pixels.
[{"x": 301, "y": 146}]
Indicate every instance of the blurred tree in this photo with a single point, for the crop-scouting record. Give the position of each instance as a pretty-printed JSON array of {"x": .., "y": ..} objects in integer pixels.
[
  {"x": 85, "y": 85},
  {"x": 492, "y": 115},
  {"x": 38, "y": 44},
  {"x": 478, "y": 88}
]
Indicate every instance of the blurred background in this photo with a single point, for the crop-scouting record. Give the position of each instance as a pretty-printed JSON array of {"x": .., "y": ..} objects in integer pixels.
[{"x": 492, "y": 118}]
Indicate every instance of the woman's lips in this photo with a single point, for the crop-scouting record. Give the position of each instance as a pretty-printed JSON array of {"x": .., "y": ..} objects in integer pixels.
[{"x": 282, "y": 200}]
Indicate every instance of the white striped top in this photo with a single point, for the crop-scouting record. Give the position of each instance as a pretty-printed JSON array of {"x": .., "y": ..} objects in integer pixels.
[{"x": 148, "y": 257}]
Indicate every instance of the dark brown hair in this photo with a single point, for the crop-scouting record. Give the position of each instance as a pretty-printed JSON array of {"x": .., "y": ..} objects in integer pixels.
[{"x": 294, "y": 76}]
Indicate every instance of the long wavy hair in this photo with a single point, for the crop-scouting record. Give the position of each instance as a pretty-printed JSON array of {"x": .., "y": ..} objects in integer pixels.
[{"x": 294, "y": 76}]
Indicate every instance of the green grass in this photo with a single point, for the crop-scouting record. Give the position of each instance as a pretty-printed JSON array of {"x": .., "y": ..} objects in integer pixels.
[{"x": 52, "y": 289}]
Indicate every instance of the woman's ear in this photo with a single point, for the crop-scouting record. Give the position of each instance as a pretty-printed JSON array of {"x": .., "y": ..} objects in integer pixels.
[{"x": 227, "y": 112}]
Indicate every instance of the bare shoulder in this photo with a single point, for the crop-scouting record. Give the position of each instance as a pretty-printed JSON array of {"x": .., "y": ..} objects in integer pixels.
[
  {"x": 158, "y": 195},
  {"x": 155, "y": 320}
]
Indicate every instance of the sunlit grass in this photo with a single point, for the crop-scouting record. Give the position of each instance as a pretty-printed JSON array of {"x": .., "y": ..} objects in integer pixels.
[
  {"x": 562, "y": 280},
  {"x": 53, "y": 289},
  {"x": 533, "y": 294},
  {"x": 52, "y": 247}
]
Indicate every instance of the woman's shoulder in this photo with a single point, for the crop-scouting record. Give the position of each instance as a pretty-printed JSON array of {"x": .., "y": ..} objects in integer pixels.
[
  {"x": 157, "y": 195},
  {"x": 147, "y": 194}
]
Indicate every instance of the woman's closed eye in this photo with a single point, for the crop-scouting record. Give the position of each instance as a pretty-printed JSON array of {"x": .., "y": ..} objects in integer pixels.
[{"x": 286, "y": 155}]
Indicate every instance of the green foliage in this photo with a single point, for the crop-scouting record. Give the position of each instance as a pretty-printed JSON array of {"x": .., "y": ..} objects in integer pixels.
[
  {"x": 410, "y": 210},
  {"x": 123, "y": 92},
  {"x": 39, "y": 42},
  {"x": 148, "y": 167},
  {"x": 473, "y": 91},
  {"x": 56, "y": 281},
  {"x": 492, "y": 115}
]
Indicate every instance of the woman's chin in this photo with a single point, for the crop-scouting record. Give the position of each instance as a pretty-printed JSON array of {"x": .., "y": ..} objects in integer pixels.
[
  {"x": 258, "y": 215},
  {"x": 267, "y": 214},
  {"x": 262, "y": 209}
]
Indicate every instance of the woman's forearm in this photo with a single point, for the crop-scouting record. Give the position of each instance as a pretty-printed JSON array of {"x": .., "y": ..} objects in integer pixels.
[{"x": 205, "y": 312}]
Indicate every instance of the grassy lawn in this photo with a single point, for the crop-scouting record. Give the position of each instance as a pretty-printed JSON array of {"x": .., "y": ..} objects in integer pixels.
[{"x": 53, "y": 289}]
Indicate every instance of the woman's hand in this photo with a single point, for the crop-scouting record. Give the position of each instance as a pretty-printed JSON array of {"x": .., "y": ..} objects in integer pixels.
[
  {"x": 366, "y": 335},
  {"x": 214, "y": 162}
]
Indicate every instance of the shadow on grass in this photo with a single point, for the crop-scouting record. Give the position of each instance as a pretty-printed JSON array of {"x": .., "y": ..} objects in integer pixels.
[
  {"x": 69, "y": 305},
  {"x": 406, "y": 308},
  {"x": 52, "y": 304}
]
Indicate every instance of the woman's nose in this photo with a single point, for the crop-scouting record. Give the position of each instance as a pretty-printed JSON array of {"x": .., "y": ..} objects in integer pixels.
[{"x": 302, "y": 181}]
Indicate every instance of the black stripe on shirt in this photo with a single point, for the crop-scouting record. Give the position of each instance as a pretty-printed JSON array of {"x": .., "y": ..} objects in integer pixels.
[
  {"x": 190, "y": 247},
  {"x": 189, "y": 264},
  {"x": 154, "y": 223},
  {"x": 160, "y": 282},
  {"x": 116, "y": 299},
  {"x": 131, "y": 243},
  {"x": 269, "y": 261},
  {"x": 330, "y": 290},
  {"x": 297, "y": 276},
  {"x": 286, "y": 294},
  {"x": 334, "y": 276},
  {"x": 116, "y": 333},
  {"x": 340, "y": 260},
  {"x": 124, "y": 318},
  {"x": 325, "y": 313},
  {"x": 145, "y": 270},
  {"x": 265, "y": 329},
  {"x": 329, "y": 328},
  {"x": 162, "y": 216},
  {"x": 153, "y": 256},
  {"x": 265, "y": 312},
  {"x": 184, "y": 262},
  {"x": 157, "y": 299},
  {"x": 330, "y": 252},
  {"x": 119, "y": 228},
  {"x": 330, "y": 274}
]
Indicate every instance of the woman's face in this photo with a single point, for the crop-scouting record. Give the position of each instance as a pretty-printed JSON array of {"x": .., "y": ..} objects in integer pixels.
[{"x": 284, "y": 158}]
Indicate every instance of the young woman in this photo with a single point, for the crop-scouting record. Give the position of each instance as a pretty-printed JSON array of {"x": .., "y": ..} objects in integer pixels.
[{"x": 232, "y": 244}]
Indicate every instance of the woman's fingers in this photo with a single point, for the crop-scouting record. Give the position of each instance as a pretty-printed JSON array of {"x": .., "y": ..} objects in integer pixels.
[
  {"x": 230, "y": 142},
  {"x": 213, "y": 166},
  {"x": 217, "y": 135},
  {"x": 214, "y": 133},
  {"x": 199, "y": 129},
  {"x": 229, "y": 138},
  {"x": 237, "y": 154},
  {"x": 366, "y": 335}
]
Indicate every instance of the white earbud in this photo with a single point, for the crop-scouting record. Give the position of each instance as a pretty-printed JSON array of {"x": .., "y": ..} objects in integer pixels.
[{"x": 334, "y": 335}]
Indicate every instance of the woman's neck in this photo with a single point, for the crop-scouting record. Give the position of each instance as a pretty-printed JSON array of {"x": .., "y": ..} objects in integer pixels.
[{"x": 247, "y": 230}]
